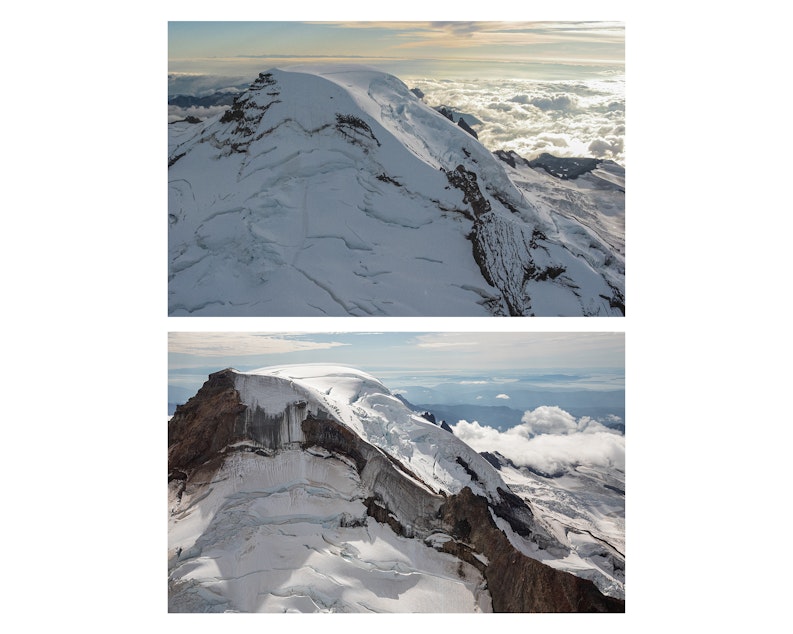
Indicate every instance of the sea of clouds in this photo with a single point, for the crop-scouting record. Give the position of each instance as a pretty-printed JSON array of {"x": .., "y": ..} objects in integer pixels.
[
  {"x": 581, "y": 118},
  {"x": 549, "y": 440}
]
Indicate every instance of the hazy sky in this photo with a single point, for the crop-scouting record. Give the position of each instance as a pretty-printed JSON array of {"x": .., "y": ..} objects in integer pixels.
[
  {"x": 193, "y": 354},
  {"x": 540, "y": 50}
]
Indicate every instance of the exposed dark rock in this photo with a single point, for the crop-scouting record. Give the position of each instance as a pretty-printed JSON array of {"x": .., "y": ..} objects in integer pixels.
[
  {"x": 187, "y": 119},
  {"x": 353, "y": 128},
  {"x": 445, "y": 112},
  {"x": 564, "y": 168},
  {"x": 516, "y": 582},
  {"x": 417, "y": 92},
  {"x": 235, "y": 113},
  {"x": 387, "y": 179},
  {"x": 445, "y": 425},
  {"x": 511, "y": 158},
  {"x": 177, "y": 475},
  {"x": 336, "y": 438},
  {"x": 247, "y": 113},
  {"x": 491, "y": 458},
  {"x": 461, "y": 123},
  {"x": 465, "y": 180},
  {"x": 473, "y": 475},
  {"x": 204, "y": 425},
  {"x": 541, "y": 274},
  {"x": 429, "y": 416},
  {"x": 617, "y": 300}
]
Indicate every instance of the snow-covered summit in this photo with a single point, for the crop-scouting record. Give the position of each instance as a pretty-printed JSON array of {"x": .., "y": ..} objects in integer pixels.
[
  {"x": 336, "y": 191},
  {"x": 367, "y": 407},
  {"x": 312, "y": 487}
]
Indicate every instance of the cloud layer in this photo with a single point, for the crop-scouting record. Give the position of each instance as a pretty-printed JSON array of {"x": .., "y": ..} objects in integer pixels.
[
  {"x": 565, "y": 118},
  {"x": 549, "y": 440}
]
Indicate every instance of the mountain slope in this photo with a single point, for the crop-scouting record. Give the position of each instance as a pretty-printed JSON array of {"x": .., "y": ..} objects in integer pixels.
[
  {"x": 338, "y": 192},
  {"x": 312, "y": 488}
]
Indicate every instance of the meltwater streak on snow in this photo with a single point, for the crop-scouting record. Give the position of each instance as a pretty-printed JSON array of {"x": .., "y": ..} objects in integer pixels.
[{"x": 335, "y": 201}]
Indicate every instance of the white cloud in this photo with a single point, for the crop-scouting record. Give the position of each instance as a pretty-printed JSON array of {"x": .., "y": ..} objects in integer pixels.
[
  {"x": 548, "y": 420},
  {"x": 549, "y": 440},
  {"x": 175, "y": 113},
  {"x": 565, "y": 118},
  {"x": 504, "y": 396},
  {"x": 221, "y": 344}
]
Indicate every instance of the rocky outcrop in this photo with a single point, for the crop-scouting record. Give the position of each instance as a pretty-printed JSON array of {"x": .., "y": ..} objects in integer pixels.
[
  {"x": 564, "y": 167},
  {"x": 466, "y": 181},
  {"x": 462, "y": 123},
  {"x": 516, "y": 582},
  {"x": 204, "y": 425}
]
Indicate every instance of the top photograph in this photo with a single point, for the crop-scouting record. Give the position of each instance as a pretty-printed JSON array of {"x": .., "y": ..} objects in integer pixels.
[{"x": 397, "y": 169}]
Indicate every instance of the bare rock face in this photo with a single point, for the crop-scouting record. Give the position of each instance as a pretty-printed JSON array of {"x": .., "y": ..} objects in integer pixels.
[
  {"x": 516, "y": 582},
  {"x": 204, "y": 425},
  {"x": 216, "y": 423}
]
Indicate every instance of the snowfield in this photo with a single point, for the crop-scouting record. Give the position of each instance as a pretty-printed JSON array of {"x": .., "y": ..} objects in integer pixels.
[
  {"x": 332, "y": 191},
  {"x": 271, "y": 537}
]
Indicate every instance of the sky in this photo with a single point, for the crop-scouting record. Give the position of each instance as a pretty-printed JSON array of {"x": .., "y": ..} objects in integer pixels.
[
  {"x": 192, "y": 355},
  {"x": 539, "y": 50}
]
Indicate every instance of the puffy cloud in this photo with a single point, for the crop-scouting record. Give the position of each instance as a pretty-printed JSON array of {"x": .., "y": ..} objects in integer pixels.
[
  {"x": 504, "y": 396},
  {"x": 175, "y": 113},
  {"x": 549, "y": 440},
  {"x": 548, "y": 420},
  {"x": 609, "y": 147},
  {"x": 556, "y": 102}
]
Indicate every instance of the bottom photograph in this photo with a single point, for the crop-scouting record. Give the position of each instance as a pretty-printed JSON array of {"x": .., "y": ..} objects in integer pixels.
[{"x": 411, "y": 472}]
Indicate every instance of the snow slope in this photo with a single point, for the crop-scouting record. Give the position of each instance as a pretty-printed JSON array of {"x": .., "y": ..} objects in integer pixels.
[
  {"x": 336, "y": 191},
  {"x": 584, "y": 509},
  {"x": 327, "y": 493}
]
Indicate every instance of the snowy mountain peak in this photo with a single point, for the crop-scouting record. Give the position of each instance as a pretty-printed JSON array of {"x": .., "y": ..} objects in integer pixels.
[
  {"x": 338, "y": 192},
  {"x": 325, "y": 458}
]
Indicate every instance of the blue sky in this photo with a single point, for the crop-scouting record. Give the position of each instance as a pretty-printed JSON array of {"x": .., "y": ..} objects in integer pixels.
[{"x": 537, "y": 50}]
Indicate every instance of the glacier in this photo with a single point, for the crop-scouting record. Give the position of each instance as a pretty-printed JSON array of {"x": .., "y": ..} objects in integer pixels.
[{"x": 333, "y": 191}]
